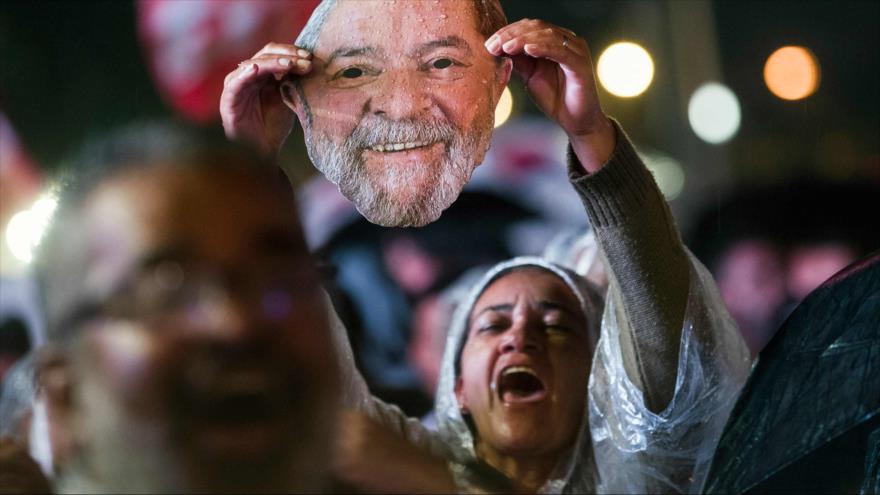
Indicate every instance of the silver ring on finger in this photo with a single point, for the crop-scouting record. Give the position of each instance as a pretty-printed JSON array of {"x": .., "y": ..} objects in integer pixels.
[{"x": 564, "y": 41}]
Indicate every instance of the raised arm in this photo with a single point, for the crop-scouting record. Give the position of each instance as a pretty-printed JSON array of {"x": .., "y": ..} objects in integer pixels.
[{"x": 645, "y": 256}]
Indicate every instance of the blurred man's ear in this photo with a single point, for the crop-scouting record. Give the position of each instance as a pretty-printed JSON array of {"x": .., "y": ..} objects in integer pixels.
[
  {"x": 56, "y": 383},
  {"x": 54, "y": 376},
  {"x": 291, "y": 98}
]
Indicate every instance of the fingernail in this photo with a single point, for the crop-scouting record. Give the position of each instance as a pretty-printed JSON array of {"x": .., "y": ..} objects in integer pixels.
[
  {"x": 303, "y": 63},
  {"x": 303, "y": 53},
  {"x": 509, "y": 45},
  {"x": 284, "y": 62},
  {"x": 492, "y": 43}
]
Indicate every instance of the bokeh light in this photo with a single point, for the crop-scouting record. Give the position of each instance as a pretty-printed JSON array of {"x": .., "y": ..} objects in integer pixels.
[
  {"x": 504, "y": 108},
  {"x": 668, "y": 173},
  {"x": 792, "y": 73},
  {"x": 625, "y": 69},
  {"x": 714, "y": 113},
  {"x": 26, "y": 228}
]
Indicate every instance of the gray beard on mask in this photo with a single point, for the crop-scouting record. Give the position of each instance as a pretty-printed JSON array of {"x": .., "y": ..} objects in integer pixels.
[{"x": 388, "y": 199}]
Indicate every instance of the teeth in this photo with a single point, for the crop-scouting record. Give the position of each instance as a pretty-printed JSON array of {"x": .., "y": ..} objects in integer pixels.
[
  {"x": 399, "y": 146},
  {"x": 519, "y": 369}
]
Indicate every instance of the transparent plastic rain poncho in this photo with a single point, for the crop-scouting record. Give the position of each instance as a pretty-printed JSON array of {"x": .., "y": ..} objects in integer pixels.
[{"x": 624, "y": 447}]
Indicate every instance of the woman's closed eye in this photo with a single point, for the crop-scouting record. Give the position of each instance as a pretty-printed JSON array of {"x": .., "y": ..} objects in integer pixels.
[
  {"x": 557, "y": 327},
  {"x": 493, "y": 325},
  {"x": 559, "y": 322}
]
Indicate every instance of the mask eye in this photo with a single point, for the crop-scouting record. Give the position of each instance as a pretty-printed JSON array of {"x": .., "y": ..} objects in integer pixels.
[
  {"x": 444, "y": 68},
  {"x": 353, "y": 76},
  {"x": 442, "y": 63},
  {"x": 352, "y": 73}
]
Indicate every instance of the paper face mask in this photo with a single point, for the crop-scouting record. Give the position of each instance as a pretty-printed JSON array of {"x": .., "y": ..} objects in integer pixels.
[{"x": 398, "y": 109}]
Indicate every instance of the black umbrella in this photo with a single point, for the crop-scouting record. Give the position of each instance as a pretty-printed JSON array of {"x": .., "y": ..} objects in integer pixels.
[{"x": 807, "y": 418}]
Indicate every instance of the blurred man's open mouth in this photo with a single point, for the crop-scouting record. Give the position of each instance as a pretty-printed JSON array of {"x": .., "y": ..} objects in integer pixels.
[
  {"x": 520, "y": 385},
  {"x": 239, "y": 398},
  {"x": 239, "y": 412}
]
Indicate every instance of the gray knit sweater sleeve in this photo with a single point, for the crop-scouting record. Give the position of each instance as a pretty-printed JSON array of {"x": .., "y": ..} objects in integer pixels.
[{"x": 646, "y": 258}]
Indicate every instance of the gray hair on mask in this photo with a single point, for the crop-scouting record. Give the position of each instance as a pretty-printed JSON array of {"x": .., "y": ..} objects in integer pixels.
[
  {"x": 308, "y": 38},
  {"x": 490, "y": 18}
]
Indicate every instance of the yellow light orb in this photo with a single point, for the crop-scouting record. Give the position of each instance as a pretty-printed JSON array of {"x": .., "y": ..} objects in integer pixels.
[
  {"x": 504, "y": 108},
  {"x": 792, "y": 73},
  {"x": 625, "y": 69}
]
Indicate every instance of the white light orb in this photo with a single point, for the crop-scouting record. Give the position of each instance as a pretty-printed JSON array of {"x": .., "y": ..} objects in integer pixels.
[
  {"x": 26, "y": 228},
  {"x": 669, "y": 175},
  {"x": 714, "y": 113}
]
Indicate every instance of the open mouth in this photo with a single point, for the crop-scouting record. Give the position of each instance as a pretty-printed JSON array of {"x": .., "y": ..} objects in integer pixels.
[
  {"x": 241, "y": 415},
  {"x": 520, "y": 384},
  {"x": 237, "y": 399},
  {"x": 395, "y": 147}
]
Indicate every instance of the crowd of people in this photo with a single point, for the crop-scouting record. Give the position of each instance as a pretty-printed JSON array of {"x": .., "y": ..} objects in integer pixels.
[{"x": 195, "y": 344}]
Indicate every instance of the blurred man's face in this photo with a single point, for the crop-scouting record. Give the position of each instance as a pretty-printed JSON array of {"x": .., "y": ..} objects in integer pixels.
[
  {"x": 524, "y": 367},
  {"x": 204, "y": 368},
  {"x": 399, "y": 107}
]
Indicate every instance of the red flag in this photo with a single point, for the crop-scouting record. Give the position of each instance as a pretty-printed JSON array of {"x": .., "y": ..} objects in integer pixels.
[{"x": 191, "y": 45}]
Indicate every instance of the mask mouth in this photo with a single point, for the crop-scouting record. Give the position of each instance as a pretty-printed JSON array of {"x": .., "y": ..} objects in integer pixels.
[
  {"x": 401, "y": 146},
  {"x": 520, "y": 385}
]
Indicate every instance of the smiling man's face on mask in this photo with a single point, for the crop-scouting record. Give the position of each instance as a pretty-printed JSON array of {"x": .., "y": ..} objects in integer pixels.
[{"x": 398, "y": 109}]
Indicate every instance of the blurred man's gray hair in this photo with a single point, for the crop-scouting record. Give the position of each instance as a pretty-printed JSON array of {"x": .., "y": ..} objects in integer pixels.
[{"x": 17, "y": 398}]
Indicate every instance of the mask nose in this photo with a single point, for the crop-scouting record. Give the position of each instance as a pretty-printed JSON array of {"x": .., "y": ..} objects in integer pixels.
[{"x": 402, "y": 94}]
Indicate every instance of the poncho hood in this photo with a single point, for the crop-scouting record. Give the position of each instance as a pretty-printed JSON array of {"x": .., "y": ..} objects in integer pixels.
[{"x": 451, "y": 423}]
